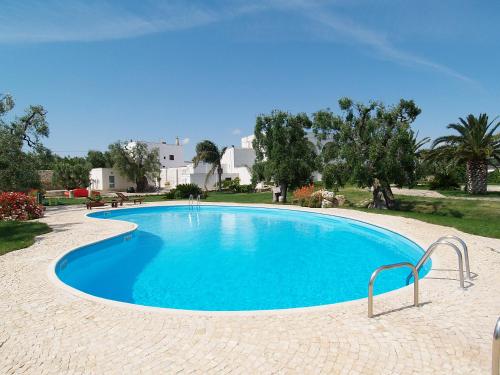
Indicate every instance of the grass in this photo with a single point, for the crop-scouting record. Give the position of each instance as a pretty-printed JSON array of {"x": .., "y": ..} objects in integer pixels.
[
  {"x": 16, "y": 235},
  {"x": 265, "y": 197},
  {"x": 470, "y": 216},
  {"x": 463, "y": 194}
]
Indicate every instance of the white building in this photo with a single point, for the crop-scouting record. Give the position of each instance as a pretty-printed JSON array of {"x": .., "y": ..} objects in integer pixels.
[
  {"x": 107, "y": 179},
  {"x": 171, "y": 155},
  {"x": 236, "y": 162}
]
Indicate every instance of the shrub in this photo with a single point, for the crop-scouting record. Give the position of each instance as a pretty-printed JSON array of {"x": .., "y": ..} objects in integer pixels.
[
  {"x": 183, "y": 191},
  {"x": 247, "y": 189},
  {"x": 187, "y": 189},
  {"x": 169, "y": 195},
  {"x": 130, "y": 189},
  {"x": 234, "y": 186},
  {"x": 494, "y": 177},
  {"x": 19, "y": 206},
  {"x": 443, "y": 181}
]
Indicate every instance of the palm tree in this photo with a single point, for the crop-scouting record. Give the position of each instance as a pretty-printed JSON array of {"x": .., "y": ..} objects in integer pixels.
[
  {"x": 208, "y": 152},
  {"x": 476, "y": 145}
]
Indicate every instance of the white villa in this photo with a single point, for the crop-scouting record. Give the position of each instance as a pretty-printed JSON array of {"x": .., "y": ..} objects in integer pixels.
[{"x": 236, "y": 162}]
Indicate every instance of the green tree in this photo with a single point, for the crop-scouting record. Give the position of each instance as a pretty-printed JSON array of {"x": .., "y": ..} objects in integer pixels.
[
  {"x": 208, "y": 152},
  {"x": 370, "y": 145},
  {"x": 17, "y": 170},
  {"x": 72, "y": 173},
  {"x": 476, "y": 145},
  {"x": 284, "y": 155},
  {"x": 136, "y": 162},
  {"x": 99, "y": 159}
]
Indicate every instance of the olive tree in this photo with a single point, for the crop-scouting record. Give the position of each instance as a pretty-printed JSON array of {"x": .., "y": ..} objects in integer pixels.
[
  {"x": 136, "y": 162},
  {"x": 17, "y": 170},
  {"x": 284, "y": 155},
  {"x": 370, "y": 145}
]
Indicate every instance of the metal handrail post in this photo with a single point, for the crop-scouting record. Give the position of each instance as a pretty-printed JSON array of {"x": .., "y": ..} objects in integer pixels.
[
  {"x": 387, "y": 267},
  {"x": 465, "y": 249},
  {"x": 495, "y": 353},
  {"x": 429, "y": 252}
]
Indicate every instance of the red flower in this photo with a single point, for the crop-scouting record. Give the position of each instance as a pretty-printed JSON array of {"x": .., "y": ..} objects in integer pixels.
[{"x": 19, "y": 206}]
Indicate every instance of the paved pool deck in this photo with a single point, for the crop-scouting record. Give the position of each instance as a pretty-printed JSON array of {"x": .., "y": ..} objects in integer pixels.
[{"x": 47, "y": 328}]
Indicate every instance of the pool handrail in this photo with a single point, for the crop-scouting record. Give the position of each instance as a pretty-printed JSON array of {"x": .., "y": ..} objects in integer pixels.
[
  {"x": 465, "y": 251},
  {"x": 429, "y": 252},
  {"x": 388, "y": 267},
  {"x": 495, "y": 351},
  {"x": 192, "y": 201}
]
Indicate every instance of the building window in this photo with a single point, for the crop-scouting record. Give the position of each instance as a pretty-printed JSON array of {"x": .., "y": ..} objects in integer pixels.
[
  {"x": 164, "y": 157},
  {"x": 228, "y": 179},
  {"x": 171, "y": 157},
  {"x": 111, "y": 182}
]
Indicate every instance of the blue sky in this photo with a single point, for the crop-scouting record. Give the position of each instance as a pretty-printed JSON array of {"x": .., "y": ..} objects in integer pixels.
[{"x": 109, "y": 70}]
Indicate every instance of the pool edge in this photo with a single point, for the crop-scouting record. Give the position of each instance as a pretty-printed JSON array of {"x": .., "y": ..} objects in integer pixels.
[{"x": 54, "y": 278}]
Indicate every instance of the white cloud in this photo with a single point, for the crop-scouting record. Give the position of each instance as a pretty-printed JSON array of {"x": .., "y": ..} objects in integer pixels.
[
  {"x": 95, "y": 20},
  {"x": 78, "y": 20},
  {"x": 185, "y": 141},
  {"x": 358, "y": 34},
  {"x": 236, "y": 131}
]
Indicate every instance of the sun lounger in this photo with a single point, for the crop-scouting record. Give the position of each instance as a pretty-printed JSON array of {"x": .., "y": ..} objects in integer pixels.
[
  {"x": 123, "y": 198},
  {"x": 91, "y": 202}
]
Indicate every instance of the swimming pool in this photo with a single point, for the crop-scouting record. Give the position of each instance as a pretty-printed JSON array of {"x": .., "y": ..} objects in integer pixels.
[{"x": 218, "y": 258}]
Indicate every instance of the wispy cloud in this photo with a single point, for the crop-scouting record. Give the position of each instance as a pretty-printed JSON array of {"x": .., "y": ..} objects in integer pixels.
[
  {"x": 236, "y": 131},
  {"x": 97, "y": 20},
  {"x": 358, "y": 34},
  {"x": 185, "y": 141},
  {"x": 78, "y": 20}
]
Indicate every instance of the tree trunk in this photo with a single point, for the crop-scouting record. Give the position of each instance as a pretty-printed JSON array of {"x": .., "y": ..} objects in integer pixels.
[
  {"x": 382, "y": 196},
  {"x": 284, "y": 189},
  {"x": 388, "y": 196},
  {"x": 141, "y": 184},
  {"x": 219, "y": 173},
  {"x": 477, "y": 177}
]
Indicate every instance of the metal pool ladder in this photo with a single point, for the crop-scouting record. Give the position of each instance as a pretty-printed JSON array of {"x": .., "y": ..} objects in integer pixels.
[
  {"x": 446, "y": 241},
  {"x": 192, "y": 202},
  {"x": 388, "y": 267}
]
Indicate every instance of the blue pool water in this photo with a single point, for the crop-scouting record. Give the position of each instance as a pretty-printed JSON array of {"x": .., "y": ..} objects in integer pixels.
[{"x": 237, "y": 258}]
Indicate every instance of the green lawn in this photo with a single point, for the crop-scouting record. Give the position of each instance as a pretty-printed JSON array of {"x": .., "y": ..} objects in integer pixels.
[
  {"x": 265, "y": 197},
  {"x": 470, "y": 216},
  {"x": 463, "y": 194},
  {"x": 475, "y": 217},
  {"x": 16, "y": 235}
]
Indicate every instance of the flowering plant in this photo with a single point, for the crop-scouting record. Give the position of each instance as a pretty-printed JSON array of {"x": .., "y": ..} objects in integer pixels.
[
  {"x": 303, "y": 192},
  {"x": 19, "y": 206}
]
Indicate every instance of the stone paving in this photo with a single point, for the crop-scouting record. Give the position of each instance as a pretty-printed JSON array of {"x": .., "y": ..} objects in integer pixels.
[{"x": 45, "y": 328}]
